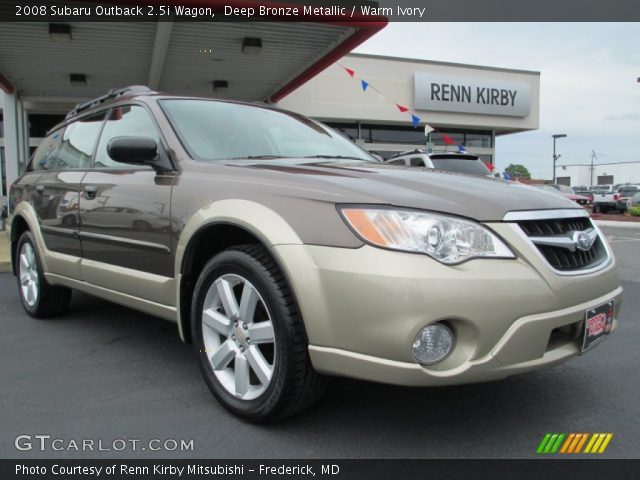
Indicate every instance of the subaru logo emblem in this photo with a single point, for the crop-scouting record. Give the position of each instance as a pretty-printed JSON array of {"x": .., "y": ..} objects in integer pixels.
[{"x": 583, "y": 240}]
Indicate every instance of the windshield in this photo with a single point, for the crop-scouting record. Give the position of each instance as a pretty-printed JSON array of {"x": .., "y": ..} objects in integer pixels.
[
  {"x": 564, "y": 188},
  {"x": 472, "y": 167},
  {"x": 215, "y": 130}
]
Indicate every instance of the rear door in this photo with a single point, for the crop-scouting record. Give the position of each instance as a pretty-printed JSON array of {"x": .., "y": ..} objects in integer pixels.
[
  {"x": 63, "y": 160},
  {"x": 125, "y": 214}
]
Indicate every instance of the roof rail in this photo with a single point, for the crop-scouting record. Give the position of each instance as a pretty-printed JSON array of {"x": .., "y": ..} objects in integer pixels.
[{"x": 113, "y": 93}]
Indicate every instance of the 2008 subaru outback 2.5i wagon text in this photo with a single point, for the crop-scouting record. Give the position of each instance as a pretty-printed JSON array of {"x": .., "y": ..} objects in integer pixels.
[{"x": 286, "y": 254}]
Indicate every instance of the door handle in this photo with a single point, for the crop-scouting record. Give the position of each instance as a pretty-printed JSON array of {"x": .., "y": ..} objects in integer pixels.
[{"x": 90, "y": 191}]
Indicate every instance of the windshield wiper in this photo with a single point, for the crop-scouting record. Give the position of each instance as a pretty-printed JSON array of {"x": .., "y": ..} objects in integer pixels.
[{"x": 338, "y": 157}]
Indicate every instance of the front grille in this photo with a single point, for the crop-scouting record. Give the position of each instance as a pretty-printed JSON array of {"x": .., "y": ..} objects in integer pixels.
[{"x": 559, "y": 257}]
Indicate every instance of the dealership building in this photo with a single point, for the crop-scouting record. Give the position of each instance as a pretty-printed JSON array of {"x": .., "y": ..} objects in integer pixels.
[
  {"x": 45, "y": 70},
  {"x": 470, "y": 104}
]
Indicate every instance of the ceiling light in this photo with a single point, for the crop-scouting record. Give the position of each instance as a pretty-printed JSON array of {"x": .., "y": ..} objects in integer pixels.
[
  {"x": 60, "y": 32},
  {"x": 251, "y": 45},
  {"x": 78, "y": 80},
  {"x": 220, "y": 85}
]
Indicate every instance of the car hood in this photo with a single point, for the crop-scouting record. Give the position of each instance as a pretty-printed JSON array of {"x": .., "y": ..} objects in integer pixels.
[{"x": 477, "y": 197}]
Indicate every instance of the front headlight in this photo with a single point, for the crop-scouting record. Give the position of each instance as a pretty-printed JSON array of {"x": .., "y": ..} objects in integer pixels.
[{"x": 447, "y": 239}]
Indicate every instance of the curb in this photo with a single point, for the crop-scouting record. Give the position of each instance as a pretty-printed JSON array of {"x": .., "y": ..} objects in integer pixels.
[{"x": 611, "y": 223}]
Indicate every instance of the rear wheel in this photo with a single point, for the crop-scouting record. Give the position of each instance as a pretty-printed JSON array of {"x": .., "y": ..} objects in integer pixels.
[
  {"x": 249, "y": 337},
  {"x": 39, "y": 298}
]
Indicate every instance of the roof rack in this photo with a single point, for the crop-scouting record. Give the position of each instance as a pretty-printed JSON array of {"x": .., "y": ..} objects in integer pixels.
[{"x": 113, "y": 93}]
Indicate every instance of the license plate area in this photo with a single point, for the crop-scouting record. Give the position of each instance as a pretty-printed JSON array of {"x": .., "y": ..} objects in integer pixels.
[{"x": 598, "y": 323}]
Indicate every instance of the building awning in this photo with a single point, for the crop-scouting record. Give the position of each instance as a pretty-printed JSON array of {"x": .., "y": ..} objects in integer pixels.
[{"x": 179, "y": 58}]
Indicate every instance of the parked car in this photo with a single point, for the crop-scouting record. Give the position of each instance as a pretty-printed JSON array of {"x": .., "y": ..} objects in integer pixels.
[
  {"x": 633, "y": 201},
  {"x": 286, "y": 254},
  {"x": 611, "y": 200},
  {"x": 585, "y": 192},
  {"x": 449, "y": 162},
  {"x": 625, "y": 192},
  {"x": 603, "y": 188},
  {"x": 568, "y": 193},
  {"x": 605, "y": 201}
]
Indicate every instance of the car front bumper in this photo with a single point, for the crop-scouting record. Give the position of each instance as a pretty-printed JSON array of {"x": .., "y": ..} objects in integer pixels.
[{"x": 363, "y": 307}]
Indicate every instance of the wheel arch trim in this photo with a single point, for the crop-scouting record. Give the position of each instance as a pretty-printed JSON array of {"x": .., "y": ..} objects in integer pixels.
[
  {"x": 267, "y": 226},
  {"x": 26, "y": 213}
]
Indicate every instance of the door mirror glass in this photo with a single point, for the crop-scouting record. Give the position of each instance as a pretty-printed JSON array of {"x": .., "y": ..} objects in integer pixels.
[{"x": 133, "y": 150}]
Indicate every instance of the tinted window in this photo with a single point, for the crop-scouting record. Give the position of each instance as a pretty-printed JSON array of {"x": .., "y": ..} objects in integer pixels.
[
  {"x": 47, "y": 153},
  {"x": 214, "y": 130},
  {"x": 416, "y": 162},
  {"x": 400, "y": 161},
  {"x": 125, "y": 121},
  {"x": 78, "y": 142},
  {"x": 473, "y": 167},
  {"x": 389, "y": 134}
]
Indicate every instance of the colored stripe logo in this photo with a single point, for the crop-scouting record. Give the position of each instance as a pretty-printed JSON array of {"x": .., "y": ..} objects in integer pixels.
[{"x": 574, "y": 443}]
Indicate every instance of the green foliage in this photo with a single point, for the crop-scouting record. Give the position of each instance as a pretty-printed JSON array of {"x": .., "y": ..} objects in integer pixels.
[
  {"x": 517, "y": 170},
  {"x": 634, "y": 211}
]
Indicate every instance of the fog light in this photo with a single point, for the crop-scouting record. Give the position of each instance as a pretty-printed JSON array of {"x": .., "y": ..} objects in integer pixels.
[{"x": 433, "y": 343}]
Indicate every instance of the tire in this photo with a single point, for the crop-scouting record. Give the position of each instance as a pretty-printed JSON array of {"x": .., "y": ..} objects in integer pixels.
[
  {"x": 39, "y": 298},
  {"x": 292, "y": 384}
]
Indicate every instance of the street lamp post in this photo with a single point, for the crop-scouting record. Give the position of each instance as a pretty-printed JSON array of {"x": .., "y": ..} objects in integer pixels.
[{"x": 556, "y": 157}]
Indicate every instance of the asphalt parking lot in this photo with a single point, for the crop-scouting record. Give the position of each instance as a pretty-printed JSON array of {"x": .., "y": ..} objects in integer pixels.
[{"x": 104, "y": 372}]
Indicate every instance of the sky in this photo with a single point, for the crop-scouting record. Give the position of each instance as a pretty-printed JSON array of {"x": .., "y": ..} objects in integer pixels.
[{"x": 589, "y": 86}]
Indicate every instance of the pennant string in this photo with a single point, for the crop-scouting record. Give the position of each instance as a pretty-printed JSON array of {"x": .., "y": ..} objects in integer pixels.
[{"x": 415, "y": 119}]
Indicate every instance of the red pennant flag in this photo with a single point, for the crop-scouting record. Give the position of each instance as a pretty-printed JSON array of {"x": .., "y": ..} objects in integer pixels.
[
  {"x": 447, "y": 139},
  {"x": 350, "y": 72},
  {"x": 489, "y": 166},
  {"x": 401, "y": 108}
]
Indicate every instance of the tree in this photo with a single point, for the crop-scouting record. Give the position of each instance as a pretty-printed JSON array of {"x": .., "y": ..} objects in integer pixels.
[{"x": 518, "y": 171}]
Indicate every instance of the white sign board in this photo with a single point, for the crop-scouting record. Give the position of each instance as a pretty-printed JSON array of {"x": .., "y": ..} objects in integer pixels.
[{"x": 456, "y": 93}]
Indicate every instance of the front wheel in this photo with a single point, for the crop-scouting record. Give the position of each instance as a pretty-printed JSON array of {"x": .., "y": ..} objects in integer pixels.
[
  {"x": 39, "y": 298},
  {"x": 249, "y": 337}
]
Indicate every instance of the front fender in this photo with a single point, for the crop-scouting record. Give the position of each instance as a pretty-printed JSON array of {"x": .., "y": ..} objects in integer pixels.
[{"x": 262, "y": 222}]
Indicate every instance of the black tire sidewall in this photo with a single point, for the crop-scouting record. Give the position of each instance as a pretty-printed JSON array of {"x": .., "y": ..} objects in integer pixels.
[{"x": 246, "y": 266}]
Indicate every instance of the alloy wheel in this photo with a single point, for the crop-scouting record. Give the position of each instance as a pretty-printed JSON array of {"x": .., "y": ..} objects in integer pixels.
[
  {"x": 238, "y": 336},
  {"x": 28, "y": 271}
]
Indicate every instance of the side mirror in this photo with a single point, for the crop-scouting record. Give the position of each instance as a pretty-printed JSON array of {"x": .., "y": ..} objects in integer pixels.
[{"x": 133, "y": 150}]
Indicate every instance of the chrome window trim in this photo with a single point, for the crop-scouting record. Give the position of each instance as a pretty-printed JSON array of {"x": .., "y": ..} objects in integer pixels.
[
  {"x": 522, "y": 215},
  {"x": 567, "y": 273}
]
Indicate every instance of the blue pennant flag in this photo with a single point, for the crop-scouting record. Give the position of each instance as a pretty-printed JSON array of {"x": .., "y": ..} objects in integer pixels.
[
  {"x": 461, "y": 149},
  {"x": 506, "y": 176},
  {"x": 364, "y": 85},
  {"x": 415, "y": 121}
]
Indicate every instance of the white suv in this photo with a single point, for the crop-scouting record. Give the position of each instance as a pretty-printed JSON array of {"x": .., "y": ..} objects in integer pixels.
[{"x": 450, "y": 162}]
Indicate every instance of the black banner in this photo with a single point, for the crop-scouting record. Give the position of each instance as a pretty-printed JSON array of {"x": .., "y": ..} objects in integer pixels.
[
  {"x": 548, "y": 469},
  {"x": 320, "y": 10}
]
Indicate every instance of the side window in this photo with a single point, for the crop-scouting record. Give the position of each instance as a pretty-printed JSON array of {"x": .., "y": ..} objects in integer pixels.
[
  {"x": 416, "y": 162},
  {"x": 399, "y": 161},
  {"x": 47, "y": 153},
  {"x": 78, "y": 141},
  {"x": 125, "y": 121}
]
